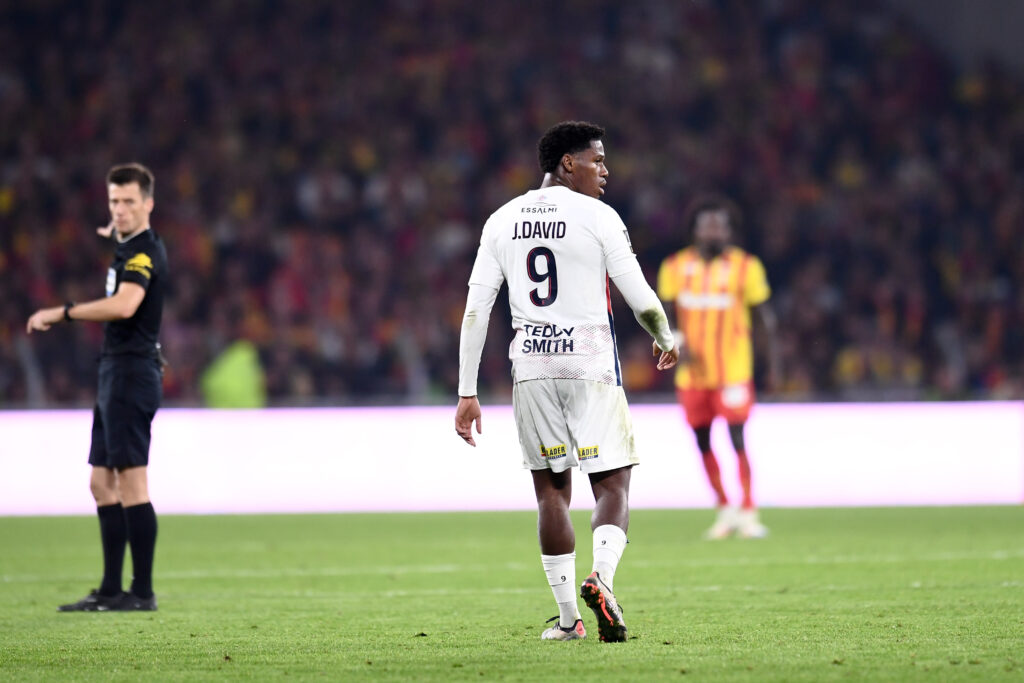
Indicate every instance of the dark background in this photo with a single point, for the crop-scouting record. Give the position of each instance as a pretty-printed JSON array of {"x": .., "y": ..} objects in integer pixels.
[{"x": 324, "y": 169}]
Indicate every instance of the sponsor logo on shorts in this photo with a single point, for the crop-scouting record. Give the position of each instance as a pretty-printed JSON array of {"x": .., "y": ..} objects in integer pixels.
[
  {"x": 588, "y": 453},
  {"x": 554, "y": 452}
]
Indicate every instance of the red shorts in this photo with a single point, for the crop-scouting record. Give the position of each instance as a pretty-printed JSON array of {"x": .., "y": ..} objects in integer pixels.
[{"x": 703, "y": 405}]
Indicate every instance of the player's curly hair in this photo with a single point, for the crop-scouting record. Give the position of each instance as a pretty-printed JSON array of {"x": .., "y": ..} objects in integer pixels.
[
  {"x": 713, "y": 202},
  {"x": 567, "y": 137}
]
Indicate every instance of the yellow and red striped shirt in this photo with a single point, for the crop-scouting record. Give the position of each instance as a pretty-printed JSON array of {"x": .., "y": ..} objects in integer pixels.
[{"x": 713, "y": 301}]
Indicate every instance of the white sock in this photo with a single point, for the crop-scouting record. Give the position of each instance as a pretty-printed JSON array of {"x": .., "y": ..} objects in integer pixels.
[
  {"x": 561, "y": 573},
  {"x": 609, "y": 542}
]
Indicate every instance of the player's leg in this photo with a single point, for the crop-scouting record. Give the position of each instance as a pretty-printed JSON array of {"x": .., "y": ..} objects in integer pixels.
[
  {"x": 603, "y": 431},
  {"x": 544, "y": 445},
  {"x": 736, "y": 403},
  {"x": 702, "y": 434},
  {"x": 726, "y": 516},
  {"x": 748, "y": 521},
  {"x": 702, "y": 406},
  {"x": 554, "y": 526},
  {"x": 558, "y": 550},
  {"x": 736, "y": 435},
  {"x": 610, "y": 520},
  {"x": 699, "y": 409}
]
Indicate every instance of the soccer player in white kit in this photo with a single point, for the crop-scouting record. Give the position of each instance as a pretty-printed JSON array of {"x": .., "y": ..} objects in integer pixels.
[{"x": 557, "y": 247}]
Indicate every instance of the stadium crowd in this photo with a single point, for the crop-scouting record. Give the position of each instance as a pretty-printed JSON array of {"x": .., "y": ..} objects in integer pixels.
[{"x": 323, "y": 171}]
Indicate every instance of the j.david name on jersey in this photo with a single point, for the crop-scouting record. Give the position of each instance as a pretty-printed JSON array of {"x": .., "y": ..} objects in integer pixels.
[{"x": 556, "y": 250}]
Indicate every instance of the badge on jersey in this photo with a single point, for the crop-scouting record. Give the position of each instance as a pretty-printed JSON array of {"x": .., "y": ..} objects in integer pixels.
[
  {"x": 111, "y": 281},
  {"x": 628, "y": 241},
  {"x": 140, "y": 263}
]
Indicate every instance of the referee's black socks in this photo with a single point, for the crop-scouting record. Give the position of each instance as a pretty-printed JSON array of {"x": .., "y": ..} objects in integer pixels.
[
  {"x": 114, "y": 537},
  {"x": 141, "y": 520}
]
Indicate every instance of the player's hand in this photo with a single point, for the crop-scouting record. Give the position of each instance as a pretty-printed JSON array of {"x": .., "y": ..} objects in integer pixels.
[
  {"x": 44, "y": 318},
  {"x": 466, "y": 414},
  {"x": 666, "y": 359},
  {"x": 106, "y": 231}
]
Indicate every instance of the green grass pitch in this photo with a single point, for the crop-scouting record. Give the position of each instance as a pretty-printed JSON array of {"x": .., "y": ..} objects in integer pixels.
[{"x": 833, "y": 594}]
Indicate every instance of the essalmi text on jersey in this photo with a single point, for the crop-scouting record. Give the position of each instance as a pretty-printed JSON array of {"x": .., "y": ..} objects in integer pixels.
[{"x": 547, "y": 230}]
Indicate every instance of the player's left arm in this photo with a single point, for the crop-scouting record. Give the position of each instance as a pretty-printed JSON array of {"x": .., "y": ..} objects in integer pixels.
[
  {"x": 763, "y": 319},
  {"x": 624, "y": 270},
  {"x": 766, "y": 325},
  {"x": 120, "y": 306}
]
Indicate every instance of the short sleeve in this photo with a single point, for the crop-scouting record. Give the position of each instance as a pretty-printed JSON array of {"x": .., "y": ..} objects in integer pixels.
[
  {"x": 139, "y": 269},
  {"x": 668, "y": 285},
  {"x": 619, "y": 258},
  {"x": 486, "y": 268},
  {"x": 755, "y": 287}
]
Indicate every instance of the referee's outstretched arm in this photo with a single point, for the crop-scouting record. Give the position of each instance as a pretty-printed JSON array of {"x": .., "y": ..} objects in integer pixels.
[{"x": 120, "y": 306}]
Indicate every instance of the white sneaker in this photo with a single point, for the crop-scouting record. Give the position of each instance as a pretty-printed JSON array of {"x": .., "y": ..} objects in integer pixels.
[
  {"x": 725, "y": 524},
  {"x": 558, "y": 632},
  {"x": 749, "y": 526}
]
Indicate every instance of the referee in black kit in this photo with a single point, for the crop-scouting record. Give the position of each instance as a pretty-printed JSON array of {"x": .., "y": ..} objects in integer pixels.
[{"x": 129, "y": 390}]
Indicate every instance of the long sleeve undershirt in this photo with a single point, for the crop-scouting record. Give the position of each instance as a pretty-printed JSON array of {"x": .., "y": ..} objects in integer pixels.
[
  {"x": 474, "y": 333},
  {"x": 646, "y": 306}
]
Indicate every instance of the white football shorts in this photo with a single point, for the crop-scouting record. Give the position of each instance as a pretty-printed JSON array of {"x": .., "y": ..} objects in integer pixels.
[{"x": 563, "y": 423}]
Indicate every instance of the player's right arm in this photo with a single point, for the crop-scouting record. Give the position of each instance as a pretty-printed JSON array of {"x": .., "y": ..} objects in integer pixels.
[
  {"x": 474, "y": 333},
  {"x": 471, "y": 346},
  {"x": 484, "y": 283}
]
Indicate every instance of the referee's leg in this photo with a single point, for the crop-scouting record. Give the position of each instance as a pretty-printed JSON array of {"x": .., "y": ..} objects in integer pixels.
[
  {"x": 141, "y": 519},
  {"x": 113, "y": 527},
  {"x": 113, "y": 531},
  {"x": 128, "y": 439}
]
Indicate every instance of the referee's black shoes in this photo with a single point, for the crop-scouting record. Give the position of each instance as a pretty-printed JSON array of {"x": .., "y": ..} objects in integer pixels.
[
  {"x": 124, "y": 602},
  {"x": 130, "y": 602}
]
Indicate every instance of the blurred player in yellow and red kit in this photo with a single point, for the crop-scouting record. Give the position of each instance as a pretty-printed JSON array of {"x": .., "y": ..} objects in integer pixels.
[{"x": 720, "y": 291}]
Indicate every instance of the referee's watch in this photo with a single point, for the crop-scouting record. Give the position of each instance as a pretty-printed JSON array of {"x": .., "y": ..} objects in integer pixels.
[{"x": 67, "y": 310}]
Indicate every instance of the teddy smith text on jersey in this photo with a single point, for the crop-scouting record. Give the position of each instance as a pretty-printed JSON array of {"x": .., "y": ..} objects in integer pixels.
[{"x": 547, "y": 339}]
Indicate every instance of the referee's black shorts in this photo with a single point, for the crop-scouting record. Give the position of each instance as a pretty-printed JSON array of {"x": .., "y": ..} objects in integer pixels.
[{"x": 128, "y": 395}]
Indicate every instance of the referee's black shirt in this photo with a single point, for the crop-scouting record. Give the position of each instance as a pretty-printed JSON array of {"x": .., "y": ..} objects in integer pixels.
[{"x": 142, "y": 260}]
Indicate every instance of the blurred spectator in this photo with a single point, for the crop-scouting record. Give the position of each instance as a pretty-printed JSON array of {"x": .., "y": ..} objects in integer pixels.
[
  {"x": 327, "y": 166},
  {"x": 235, "y": 379}
]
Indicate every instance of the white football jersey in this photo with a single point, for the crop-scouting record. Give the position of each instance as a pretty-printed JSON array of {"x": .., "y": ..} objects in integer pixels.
[{"x": 557, "y": 248}]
